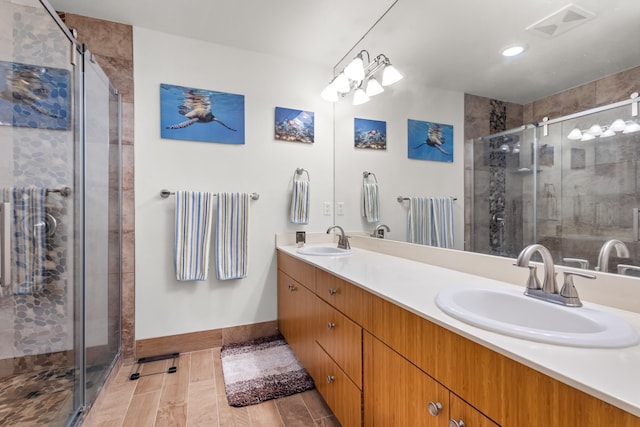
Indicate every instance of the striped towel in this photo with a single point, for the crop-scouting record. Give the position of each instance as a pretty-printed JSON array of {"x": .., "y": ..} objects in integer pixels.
[
  {"x": 232, "y": 235},
  {"x": 28, "y": 238},
  {"x": 193, "y": 234},
  {"x": 430, "y": 221},
  {"x": 442, "y": 214},
  {"x": 370, "y": 205},
  {"x": 300, "y": 202}
]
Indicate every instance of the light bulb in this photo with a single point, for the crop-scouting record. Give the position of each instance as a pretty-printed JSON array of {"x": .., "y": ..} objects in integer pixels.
[
  {"x": 360, "y": 97},
  {"x": 618, "y": 125},
  {"x": 355, "y": 69},
  {"x": 575, "y": 134},
  {"x": 595, "y": 130},
  {"x": 631, "y": 127},
  {"x": 373, "y": 87},
  {"x": 329, "y": 94},
  {"x": 390, "y": 75},
  {"x": 341, "y": 83}
]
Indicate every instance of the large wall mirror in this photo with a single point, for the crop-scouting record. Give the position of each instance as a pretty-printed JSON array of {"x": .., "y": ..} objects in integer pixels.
[{"x": 454, "y": 75}]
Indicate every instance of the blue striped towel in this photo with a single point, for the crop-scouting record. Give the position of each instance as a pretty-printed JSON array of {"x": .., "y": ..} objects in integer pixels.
[
  {"x": 430, "y": 221},
  {"x": 300, "y": 202},
  {"x": 370, "y": 204},
  {"x": 193, "y": 234},
  {"x": 232, "y": 235},
  {"x": 28, "y": 238}
]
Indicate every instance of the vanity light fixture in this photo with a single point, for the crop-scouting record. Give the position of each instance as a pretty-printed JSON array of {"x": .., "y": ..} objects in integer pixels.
[
  {"x": 358, "y": 77},
  {"x": 618, "y": 125}
]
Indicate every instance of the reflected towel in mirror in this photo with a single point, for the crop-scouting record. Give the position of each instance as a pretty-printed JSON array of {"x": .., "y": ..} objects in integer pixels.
[
  {"x": 370, "y": 203},
  {"x": 299, "y": 202}
]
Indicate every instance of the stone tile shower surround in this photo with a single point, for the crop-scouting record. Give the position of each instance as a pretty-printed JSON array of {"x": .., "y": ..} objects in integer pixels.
[
  {"x": 112, "y": 46},
  {"x": 37, "y": 329},
  {"x": 480, "y": 118}
]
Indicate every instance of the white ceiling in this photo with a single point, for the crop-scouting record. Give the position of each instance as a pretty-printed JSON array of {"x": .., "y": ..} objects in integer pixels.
[{"x": 454, "y": 44}]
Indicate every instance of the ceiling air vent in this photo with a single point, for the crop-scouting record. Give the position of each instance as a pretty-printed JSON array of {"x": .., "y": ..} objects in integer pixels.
[{"x": 561, "y": 21}]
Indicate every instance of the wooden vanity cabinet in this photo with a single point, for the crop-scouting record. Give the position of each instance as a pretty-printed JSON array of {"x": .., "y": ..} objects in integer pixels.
[
  {"x": 397, "y": 393},
  {"x": 381, "y": 365}
]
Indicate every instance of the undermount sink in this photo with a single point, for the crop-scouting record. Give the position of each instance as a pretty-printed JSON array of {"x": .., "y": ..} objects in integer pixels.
[
  {"x": 510, "y": 312},
  {"x": 323, "y": 250}
]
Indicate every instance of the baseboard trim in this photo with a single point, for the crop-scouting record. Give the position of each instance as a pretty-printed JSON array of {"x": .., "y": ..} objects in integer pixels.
[{"x": 203, "y": 340}]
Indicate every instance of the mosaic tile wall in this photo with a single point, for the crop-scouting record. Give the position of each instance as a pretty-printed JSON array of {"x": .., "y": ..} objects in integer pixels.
[{"x": 40, "y": 323}]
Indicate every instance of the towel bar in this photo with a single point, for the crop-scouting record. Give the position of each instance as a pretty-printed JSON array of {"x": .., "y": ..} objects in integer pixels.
[
  {"x": 402, "y": 199},
  {"x": 63, "y": 191},
  {"x": 300, "y": 171},
  {"x": 366, "y": 174},
  {"x": 166, "y": 193}
]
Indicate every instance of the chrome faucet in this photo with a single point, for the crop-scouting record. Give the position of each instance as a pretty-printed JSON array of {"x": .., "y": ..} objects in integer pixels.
[
  {"x": 343, "y": 240},
  {"x": 379, "y": 232},
  {"x": 568, "y": 295},
  {"x": 605, "y": 252}
]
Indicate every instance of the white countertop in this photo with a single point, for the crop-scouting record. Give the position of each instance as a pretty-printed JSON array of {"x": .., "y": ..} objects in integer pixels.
[{"x": 612, "y": 375}]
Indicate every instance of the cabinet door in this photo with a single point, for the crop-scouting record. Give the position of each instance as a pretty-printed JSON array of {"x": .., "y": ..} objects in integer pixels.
[
  {"x": 341, "y": 338},
  {"x": 340, "y": 393},
  {"x": 471, "y": 417},
  {"x": 296, "y": 315},
  {"x": 397, "y": 393}
]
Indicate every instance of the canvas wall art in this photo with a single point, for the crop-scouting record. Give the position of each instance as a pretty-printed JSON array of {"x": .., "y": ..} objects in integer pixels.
[
  {"x": 201, "y": 115},
  {"x": 370, "y": 134},
  {"x": 430, "y": 141},
  {"x": 34, "y": 96},
  {"x": 294, "y": 125}
]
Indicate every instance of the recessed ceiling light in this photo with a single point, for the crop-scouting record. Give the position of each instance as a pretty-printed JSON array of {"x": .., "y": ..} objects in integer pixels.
[{"x": 513, "y": 50}]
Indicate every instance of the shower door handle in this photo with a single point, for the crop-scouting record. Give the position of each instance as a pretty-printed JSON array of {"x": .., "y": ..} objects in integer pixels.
[
  {"x": 5, "y": 244},
  {"x": 635, "y": 225}
]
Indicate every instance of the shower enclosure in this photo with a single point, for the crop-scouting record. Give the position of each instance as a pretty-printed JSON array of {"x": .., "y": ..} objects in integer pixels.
[
  {"x": 59, "y": 220},
  {"x": 570, "y": 184}
]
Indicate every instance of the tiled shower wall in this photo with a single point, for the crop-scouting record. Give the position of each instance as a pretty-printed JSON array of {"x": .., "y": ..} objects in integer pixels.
[
  {"x": 480, "y": 116},
  {"x": 35, "y": 326},
  {"x": 112, "y": 46}
]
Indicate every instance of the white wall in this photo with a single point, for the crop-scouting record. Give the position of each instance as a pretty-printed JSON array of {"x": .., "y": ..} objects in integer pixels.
[
  {"x": 398, "y": 175},
  {"x": 165, "y": 306}
]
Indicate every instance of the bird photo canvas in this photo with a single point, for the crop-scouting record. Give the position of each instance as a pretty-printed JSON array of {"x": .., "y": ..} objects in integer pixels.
[
  {"x": 430, "y": 141},
  {"x": 201, "y": 115}
]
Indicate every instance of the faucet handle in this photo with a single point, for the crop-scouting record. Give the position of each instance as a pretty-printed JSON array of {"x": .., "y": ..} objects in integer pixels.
[
  {"x": 569, "y": 291},
  {"x": 532, "y": 281}
]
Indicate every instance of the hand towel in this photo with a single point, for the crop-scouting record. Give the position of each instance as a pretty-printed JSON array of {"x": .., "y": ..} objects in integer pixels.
[
  {"x": 370, "y": 205},
  {"x": 300, "y": 202},
  {"x": 232, "y": 235},
  {"x": 442, "y": 218},
  {"x": 28, "y": 244},
  {"x": 194, "y": 215},
  {"x": 419, "y": 221}
]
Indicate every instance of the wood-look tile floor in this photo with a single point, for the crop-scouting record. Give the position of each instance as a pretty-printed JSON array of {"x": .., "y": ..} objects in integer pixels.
[{"x": 194, "y": 396}]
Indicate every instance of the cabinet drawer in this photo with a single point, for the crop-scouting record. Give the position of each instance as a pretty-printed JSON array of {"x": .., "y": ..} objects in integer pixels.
[
  {"x": 462, "y": 411},
  {"x": 351, "y": 300},
  {"x": 340, "y": 393},
  {"x": 341, "y": 338},
  {"x": 304, "y": 273}
]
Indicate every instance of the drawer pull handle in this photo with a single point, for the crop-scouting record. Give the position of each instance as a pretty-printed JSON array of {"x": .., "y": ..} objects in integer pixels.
[
  {"x": 332, "y": 292},
  {"x": 331, "y": 378},
  {"x": 330, "y": 325},
  {"x": 291, "y": 288},
  {"x": 454, "y": 423},
  {"x": 435, "y": 408}
]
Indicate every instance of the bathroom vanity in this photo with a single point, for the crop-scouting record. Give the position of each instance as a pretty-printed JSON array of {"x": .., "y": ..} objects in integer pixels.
[{"x": 381, "y": 353}]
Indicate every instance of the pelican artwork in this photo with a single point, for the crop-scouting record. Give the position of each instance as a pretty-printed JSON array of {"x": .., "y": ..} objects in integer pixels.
[
  {"x": 197, "y": 109},
  {"x": 435, "y": 139}
]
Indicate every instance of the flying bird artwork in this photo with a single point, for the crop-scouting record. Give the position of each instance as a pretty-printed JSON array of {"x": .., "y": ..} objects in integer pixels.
[{"x": 201, "y": 115}]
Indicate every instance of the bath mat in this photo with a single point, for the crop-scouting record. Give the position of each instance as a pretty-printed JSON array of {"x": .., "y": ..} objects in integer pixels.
[{"x": 260, "y": 370}]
